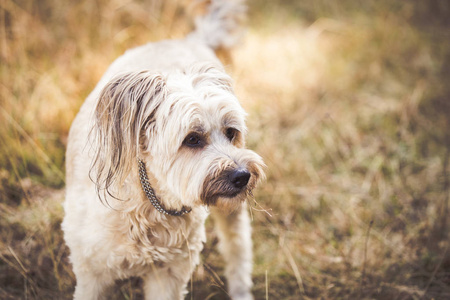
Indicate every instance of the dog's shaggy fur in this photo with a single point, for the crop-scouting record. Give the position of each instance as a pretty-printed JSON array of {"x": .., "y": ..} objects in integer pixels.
[{"x": 171, "y": 105}]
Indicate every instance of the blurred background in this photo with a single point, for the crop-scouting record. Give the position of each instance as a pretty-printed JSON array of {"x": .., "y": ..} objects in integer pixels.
[{"x": 349, "y": 105}]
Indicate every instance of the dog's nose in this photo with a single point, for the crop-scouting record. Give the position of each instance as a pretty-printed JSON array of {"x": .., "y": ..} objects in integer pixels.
[{"x": 239, "y": 178}]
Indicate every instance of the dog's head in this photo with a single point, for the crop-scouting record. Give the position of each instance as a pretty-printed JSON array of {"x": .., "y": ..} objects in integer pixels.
[{"x": 188, "y": 128}]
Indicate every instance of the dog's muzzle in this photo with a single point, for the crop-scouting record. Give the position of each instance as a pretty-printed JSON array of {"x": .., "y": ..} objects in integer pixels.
[{"x": 228, "y": 184}]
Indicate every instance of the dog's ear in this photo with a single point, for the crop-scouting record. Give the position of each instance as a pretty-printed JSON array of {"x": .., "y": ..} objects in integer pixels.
[{"x": 125, "y": 105}]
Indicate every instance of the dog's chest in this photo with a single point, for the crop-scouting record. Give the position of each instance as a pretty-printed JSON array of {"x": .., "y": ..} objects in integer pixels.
[{"x": 145, "y": 246}]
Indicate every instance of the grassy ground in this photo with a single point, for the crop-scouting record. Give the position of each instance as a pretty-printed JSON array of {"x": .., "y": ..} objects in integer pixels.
[{"x": 349, "y": 105}]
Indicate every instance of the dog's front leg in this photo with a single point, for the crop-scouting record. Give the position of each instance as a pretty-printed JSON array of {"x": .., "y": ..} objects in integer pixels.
[
  {"x": 235, "y": 244},
  {"x": 91, "y": 287},
  {"x": 167, "y": 283}
]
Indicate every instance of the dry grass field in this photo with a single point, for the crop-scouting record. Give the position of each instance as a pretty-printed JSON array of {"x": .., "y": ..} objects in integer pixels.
[{"x": 349, "y": 105}]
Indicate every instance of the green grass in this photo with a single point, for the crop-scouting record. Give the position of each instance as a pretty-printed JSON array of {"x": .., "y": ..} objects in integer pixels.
[{"x": 349, "y": 105}]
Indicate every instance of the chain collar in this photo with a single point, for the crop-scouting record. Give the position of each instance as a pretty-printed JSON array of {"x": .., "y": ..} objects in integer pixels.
[{"x": 150, "y": 193}]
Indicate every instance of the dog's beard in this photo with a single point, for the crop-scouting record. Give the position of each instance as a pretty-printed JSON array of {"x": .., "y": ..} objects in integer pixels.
[{"x": 219, "y": 191}]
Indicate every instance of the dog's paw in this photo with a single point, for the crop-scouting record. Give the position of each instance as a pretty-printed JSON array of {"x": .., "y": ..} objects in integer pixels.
[{"x": 242, "y": 296}]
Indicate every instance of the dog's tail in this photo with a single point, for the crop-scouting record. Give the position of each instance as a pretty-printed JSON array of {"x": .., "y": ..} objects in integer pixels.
[{"x": 220, "y": 28}]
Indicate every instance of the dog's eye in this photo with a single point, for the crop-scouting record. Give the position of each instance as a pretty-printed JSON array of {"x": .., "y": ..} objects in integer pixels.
[
  {"x": 193, "y": 140},
  {"x": 230, "y": 133}
]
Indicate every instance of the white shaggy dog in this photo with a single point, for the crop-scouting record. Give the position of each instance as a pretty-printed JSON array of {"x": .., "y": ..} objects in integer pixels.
[{"x": 156, "y": 146}]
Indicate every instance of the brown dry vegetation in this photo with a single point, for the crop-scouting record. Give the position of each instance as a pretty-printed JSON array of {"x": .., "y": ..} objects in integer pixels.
[{"x": 349, "y": 104}]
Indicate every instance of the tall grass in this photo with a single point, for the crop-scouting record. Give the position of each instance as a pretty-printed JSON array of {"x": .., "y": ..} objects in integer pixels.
[{"x": 349, "y": 105}]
